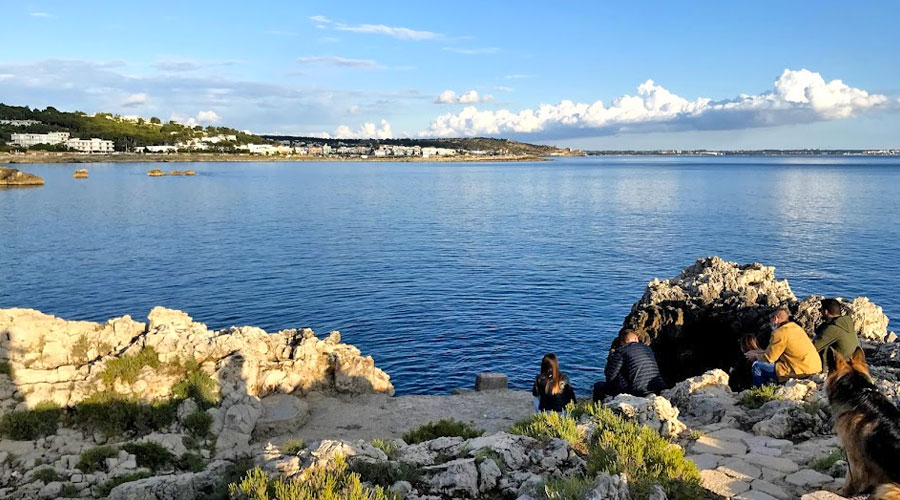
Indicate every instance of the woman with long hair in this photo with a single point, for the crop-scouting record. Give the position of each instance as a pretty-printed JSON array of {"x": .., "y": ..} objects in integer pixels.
[{"x": 552, "y": 390}]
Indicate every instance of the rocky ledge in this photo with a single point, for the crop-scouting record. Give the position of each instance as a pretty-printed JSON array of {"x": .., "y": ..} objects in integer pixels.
[
  {"x": 169, "y": 409},
  {"x": 14, "y": 177}
]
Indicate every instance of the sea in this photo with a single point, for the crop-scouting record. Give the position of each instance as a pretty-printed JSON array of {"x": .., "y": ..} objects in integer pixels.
[{"x": 440, "y": 271}]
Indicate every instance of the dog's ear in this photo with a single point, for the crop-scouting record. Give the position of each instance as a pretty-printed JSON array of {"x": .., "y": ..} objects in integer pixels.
[
  {"x": 835, "y": 361},
  {"x": 858, "y": 361}
]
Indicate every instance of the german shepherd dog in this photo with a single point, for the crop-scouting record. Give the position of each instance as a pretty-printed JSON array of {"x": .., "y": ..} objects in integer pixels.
[{"x": 867, "y": 425}]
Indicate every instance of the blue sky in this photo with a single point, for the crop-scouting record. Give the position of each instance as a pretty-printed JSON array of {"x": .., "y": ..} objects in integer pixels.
[{"x": 724, "y": 74}]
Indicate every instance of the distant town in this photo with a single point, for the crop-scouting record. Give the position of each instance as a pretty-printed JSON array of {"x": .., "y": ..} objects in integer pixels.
[{"x": 26, "y": 131}]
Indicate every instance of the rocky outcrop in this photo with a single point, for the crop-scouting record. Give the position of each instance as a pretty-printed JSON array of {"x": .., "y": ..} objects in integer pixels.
[
  {"x": 655, "y": 412},
  {"x": 15, "y": 177},
  {"x": 695, "y": 320},
  {"x": 81, "y": 173},
  {"x": 63, "y": 361}
]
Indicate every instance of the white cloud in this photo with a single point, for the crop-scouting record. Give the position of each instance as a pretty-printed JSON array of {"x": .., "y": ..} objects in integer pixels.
[
  {"x": 470, "y": 97},
  {"x": 503, "y": 88},
  {"x": 366, "y": 131},
  {"x": 320, "y": 19},
  {"x": 391, "y": 31},
  {"x": 472, "y": 52},
  {"x": 39, "y": 14},
  {"x": 517, "y": 77},
  {"x": 338, "y": 61},
  {"x": 177, "y": 65},
  {"x": 133, "y": 100},
  {"x": 203, "y": 118},
  {"x": 797, "y": 97}
]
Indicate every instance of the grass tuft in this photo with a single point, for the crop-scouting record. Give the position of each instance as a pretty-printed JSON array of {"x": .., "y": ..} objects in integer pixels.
[
  {"x": 389, "y": 448},
  {"x": 127, "y": 368},
  {"x": 198, "y": 424},
  {"x": 94, "y": 460},
  {"x": 45, "y": 474},
  {"x": 28, "y": 425},
  {"x": 442, "y": 428},
  {"x": 824, "y": 464},
  {"x": 293, "y": 446},
  {"x": 151, "y": 455},
  {"x": 758, "y": 396},
  {"x": 545, "y": 426},
  {"x": 104, "y": 489}
]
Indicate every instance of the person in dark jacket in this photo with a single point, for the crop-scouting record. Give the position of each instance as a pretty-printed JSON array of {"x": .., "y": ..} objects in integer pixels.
[
  {"x": 630, "y": 369},
  {"x": 552, "y": 390},
  {"x": 838, "y": 331}
]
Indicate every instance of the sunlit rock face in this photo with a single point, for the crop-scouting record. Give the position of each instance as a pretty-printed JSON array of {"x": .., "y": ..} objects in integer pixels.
[{"x": 694, "y": 321}]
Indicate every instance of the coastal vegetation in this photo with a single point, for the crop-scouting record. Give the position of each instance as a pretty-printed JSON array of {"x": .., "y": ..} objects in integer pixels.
[
  {"x": 757, "y": 396},
  {"x": 442, "y": 428},
  {"x": 616, "y": 446}
]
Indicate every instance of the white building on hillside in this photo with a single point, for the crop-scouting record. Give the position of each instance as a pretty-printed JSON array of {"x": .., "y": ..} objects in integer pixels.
[
  {"x": 19, "y": 123},
  {"x": 429, "y": 152},
  {"x": 28, "y": 140},
  {"x": 92, "y": 145}
]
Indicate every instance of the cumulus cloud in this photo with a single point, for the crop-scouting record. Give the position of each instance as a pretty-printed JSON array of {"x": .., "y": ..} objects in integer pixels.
[
  {"x": 470, "y": 97},
  {"x": 133, "y": 100},
  {"x": 366, "y": 131},
  {"x": 338, "y": 61},
  {"x": 203, "y": 118},
  {"x": 798, "y": 96}
]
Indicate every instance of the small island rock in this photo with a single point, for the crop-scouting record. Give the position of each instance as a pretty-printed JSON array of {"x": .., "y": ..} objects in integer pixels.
[
  {"x": 81, "y": 174},
  {"x": 14, "y": 177}
]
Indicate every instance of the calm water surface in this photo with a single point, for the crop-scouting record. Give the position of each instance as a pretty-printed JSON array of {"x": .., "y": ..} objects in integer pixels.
[{"x": 440, "y": 271}]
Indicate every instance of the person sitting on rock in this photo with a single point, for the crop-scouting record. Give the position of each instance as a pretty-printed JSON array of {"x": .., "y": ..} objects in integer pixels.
[
  {"x": 739, "y": 376},
  {"x": 838, "y": 331},
  {"x": 552, "y": 390},
  {"x": 791, "y": 354},
  {"x": 630, "y": 369}
]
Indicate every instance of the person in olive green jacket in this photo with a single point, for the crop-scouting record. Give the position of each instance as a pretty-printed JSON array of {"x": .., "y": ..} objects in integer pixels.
[{"x": 838, "y": 331}]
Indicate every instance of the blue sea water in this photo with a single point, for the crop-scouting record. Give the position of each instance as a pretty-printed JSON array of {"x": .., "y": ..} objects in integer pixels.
[{"x": 440, "y": 271}]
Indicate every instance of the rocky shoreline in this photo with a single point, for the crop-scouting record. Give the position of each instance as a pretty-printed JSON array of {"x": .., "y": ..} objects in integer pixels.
[
  {"x": 49, "y": 157},
  {"x": 168, "y": 409}
]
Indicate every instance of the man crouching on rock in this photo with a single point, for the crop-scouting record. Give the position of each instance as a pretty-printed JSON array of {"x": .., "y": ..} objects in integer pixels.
[
  {"x": 791, "y": 354},
  {"x": 630, "y": 368}
]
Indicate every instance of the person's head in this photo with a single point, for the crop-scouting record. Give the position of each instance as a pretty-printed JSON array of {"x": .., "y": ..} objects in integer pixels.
[
  {"x": 630, "y": 337},
  {"x": 749, "y": 343},
  {"x": 830, "y": 308},
  {"x": 779, "y": 317},
  {"x": 550, "y": 370}
]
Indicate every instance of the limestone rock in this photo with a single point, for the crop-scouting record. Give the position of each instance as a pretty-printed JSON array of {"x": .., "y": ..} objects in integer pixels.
[
  {"x": 609, "y": 487},
  {"x": 654, "y": 411},
  {"x": 15, "y": 177}
]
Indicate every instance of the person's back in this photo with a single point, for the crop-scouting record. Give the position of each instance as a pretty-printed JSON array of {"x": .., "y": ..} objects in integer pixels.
[
  {"x": 633, "y": 370},
  {"x": 552, "y": 390},
  {"x": 792, "y": 352},
  {"x": 837, "y": 332}
]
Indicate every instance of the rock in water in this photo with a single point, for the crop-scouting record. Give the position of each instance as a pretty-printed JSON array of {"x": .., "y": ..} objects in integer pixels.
[
  {"x": 14, "y": 177},
  {"x": 155, "y": 173},
  {"x": 694, "y": 321},
  {"x": 81, "y": 174}
]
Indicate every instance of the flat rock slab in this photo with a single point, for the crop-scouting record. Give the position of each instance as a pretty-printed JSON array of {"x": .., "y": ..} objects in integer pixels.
[
  {"x": 754, "y": 495},
  {"x": 822, "y": 495},
  {"x": 722, "y": 484},
  {"x": 769, "y": 488},
  {"x": 739, "y": 469},
  {"x": 705, "y": 460},
  {"x": 281, "y": 413},
  {"x": 707, "y": 444},
  {"x": 809, "y": 477},
  {"x": 779, "y": 464}
]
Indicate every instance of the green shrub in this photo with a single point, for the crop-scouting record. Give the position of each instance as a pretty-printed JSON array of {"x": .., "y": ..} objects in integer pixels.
[
  {"x": 442, "y": 428},
  {"x": 45, "y": 474},
  {"x": 293, "y": 446},
  {"x": 545, "y": 426},
  {"x": 28, "y": 425},
  {"x": 191, "y": 462},
  {"x": 197, "y": 385},
  {"x": 95, "y": 459},
  {"x": 758, "y": 396},
  {"x": 127, "y": 368},
  {"x": 104, "y": 489},
  {"x": 80, "y": 350},
  {"x": 117, "y": 415},
  {"x": 485, "y": 453},
  {"x": 825, "y": 463},
  {"x": 151, "y": 455},
  {"x": 384, "y": 473},
  {"x": 198, "y": 424},
  {"x": 622, "y": 446},
  {"x": 233, "y": 474},
  {"x": 69, "y": 491},
  {"x": 6, "y": 369},
  {"x": 333, "y": 482},
  {"x": 389, "y": 448},
  {"x": 573, "y": 488}
]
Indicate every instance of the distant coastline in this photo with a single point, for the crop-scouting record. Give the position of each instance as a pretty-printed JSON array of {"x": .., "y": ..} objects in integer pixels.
[
  {"x": 748, "y": 152},
  {"x": 60, "y": 157}
]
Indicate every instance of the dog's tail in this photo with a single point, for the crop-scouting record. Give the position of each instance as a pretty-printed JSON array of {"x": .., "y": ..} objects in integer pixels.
[{"x": 887, "y": 491}]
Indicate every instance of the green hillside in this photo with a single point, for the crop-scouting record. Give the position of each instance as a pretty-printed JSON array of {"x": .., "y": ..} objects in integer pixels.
[{"x": 124, "y": 133}]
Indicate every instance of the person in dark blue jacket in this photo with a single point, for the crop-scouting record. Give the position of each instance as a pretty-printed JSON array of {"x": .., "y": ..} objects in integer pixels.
[{"x": 630, "y": 369}]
